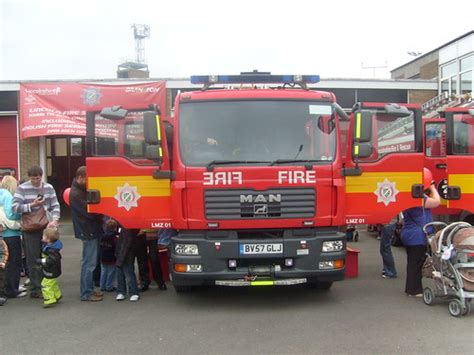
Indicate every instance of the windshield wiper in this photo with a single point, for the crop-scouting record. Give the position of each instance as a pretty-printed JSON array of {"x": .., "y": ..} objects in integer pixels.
[
  {"x": 226, "y": 162},
  {"x": 283, "y": 161}
]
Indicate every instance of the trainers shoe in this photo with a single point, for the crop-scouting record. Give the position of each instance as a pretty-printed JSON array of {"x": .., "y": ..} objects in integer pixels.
[
  {"x": 120, "y": 297},
  {"x": 22, "y": 294},
  {"x": 92, "y": 298},
  {"x": 98, "y": 294},
  {"x": 3, "y": 300},
  {"x": 36, "y": 295},
  {"x": 27, "y": 283},
  {"x": 162, "y": 286},
  {"x": 134, "y": 298},
  {"x": 22, "y": 288},
  {"x": 144, "y": 288}
]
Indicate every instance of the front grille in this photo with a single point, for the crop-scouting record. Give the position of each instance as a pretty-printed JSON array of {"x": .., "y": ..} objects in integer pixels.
[{"x": 253, "y": 204}]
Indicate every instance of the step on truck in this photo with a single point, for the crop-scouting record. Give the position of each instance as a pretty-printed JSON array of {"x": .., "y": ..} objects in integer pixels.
[{"x": 252, "y": 175}]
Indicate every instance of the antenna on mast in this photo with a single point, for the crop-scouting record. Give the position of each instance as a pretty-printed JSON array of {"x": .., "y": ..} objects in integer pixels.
[{"x": 140, "y": 32}]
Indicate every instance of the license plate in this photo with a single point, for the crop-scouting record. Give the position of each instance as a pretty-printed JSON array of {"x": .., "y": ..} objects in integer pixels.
[{"x": 261, "y": 248}]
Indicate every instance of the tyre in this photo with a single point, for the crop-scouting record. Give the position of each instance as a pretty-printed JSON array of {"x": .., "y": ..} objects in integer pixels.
[
  {"x": 467, "y": 307},
  {"x": 428, "y": 296},
  {"x": 182, "y": 289},
  {"x": 455, "y": 308}
]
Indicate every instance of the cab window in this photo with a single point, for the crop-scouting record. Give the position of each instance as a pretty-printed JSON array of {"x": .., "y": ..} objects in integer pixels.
[
  {"x": 391, "y": 135},
  {"x": 435, "y": 140}
]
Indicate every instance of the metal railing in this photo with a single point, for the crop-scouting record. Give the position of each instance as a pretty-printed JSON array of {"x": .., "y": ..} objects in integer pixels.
[{"x": 435, "y": 101}]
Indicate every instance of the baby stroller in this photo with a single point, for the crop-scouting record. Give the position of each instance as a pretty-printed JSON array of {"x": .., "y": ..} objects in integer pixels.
[{"x": 450, "y": 265}]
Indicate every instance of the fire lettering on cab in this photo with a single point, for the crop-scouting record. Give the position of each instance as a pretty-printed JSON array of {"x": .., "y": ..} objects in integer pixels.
[
  {"x": 297, "y": 177},
  {"x": 222, "y": 178}
]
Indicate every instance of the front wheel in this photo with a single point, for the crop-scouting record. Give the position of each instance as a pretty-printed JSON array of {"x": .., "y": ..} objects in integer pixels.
[
  {"x": 455, "y": 308},
  {"x": 428, "y": 296}
]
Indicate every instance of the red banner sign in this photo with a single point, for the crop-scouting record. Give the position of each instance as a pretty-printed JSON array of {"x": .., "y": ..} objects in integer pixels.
[{"x": 60, "y": 108}]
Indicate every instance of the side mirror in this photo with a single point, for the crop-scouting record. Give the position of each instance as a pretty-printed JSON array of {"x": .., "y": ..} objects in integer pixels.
[
  {"x": 114, "y": 113},
  {"x": 151, "y": 128},
  {"x": 153, "y": 152},
  {"x": 363, "y": 126},
  {"x": 363, "y": 150}
]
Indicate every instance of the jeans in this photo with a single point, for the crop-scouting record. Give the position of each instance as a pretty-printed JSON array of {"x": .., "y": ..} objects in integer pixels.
[
  {"x": 107, "y": 277},
  {"x": 33, "y": 252},
  {"x": 126, "y": 278},
  {"x": 13, "y": 268},
  {"x": 90, "y": 249},
  {"x": 386, "y": 250}
]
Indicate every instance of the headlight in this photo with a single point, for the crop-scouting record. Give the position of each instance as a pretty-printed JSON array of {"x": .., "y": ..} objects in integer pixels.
[
  {"x": 333, "y": 245},
  {"x": 186, "y": 249}
]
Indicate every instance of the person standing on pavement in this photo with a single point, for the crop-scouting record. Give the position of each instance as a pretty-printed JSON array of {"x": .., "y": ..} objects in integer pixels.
[
  {"x": 388, "y": 271},
  {"x": 29, "y": 198},
  {"x": 414, "y": 239},
  {"x": 3, "y": 263},
  {"x": 87, "y": 228},
  {"x": 50, "y": 263},
  {"x": 12, "y": 237}
]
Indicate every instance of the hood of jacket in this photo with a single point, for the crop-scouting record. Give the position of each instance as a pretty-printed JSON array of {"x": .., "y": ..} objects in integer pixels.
[{"x": 56, "y": 245}]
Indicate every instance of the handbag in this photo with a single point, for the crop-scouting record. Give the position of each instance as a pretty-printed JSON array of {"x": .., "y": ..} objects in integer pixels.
[{"x": 34, "y": 221}]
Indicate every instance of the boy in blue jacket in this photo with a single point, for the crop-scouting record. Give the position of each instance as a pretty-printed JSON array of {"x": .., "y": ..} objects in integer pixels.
[{"x": 51, "y": 265}]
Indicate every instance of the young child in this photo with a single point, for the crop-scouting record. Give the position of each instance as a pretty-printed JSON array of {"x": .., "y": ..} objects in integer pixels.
[
  {"x": 107, "y": 256},
  {"x": 125, "y": 254},
  {"x": 3, "y": 263},
  {"x": 51, "y": 265}
]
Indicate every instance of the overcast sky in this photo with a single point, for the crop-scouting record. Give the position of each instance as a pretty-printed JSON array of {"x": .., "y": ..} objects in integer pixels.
[{"x": 87, "y": 39}]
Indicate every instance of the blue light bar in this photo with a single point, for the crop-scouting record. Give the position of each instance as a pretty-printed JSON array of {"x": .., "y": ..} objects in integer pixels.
[{"x": 254, "y": 79}]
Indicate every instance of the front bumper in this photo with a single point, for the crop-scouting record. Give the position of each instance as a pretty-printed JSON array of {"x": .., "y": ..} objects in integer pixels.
[{"x": 216, "y": 248}]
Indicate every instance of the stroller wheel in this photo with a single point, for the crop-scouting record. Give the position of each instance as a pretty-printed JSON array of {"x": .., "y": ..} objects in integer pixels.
[
  {"x": 455, "y": 308},
  {"x": 428, "y": 296},
  {"x": 467, "y": 307}
]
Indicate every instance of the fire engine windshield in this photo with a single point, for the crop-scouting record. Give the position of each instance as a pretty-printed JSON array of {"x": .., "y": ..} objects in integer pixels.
[{"x": 255, "y": 132}]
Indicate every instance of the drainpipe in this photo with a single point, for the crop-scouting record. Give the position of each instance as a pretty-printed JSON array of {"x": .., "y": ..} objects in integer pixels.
[{"x": 42, "y": 157}]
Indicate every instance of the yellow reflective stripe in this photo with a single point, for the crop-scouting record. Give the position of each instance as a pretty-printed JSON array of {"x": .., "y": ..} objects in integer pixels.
[
  {"x": 261, "y": 283},
  {"x": 146, "y": 185},
  {"x": 367, "y": 182},
  {"x": 464, "y": 181},
  {"x": 358, "y": 117},
  {"x": 158, "y": 125},
  {"x": 356, "y": 149}
]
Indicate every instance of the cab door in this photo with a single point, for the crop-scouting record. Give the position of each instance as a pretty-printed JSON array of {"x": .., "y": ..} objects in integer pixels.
[
  {"x": 383, "y": 172},
  {"x": 128, "y": 174},
  {"x": 460, "y": 144},
  {"x": 434, "y": 146}
]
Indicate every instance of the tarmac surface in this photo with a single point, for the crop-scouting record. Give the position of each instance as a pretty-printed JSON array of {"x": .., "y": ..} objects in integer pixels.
[{"x": 363, "y": 315}]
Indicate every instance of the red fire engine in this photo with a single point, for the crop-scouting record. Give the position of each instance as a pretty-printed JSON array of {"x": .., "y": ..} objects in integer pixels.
[
  {"x": 253, "y": 179},
  {"x": 460, "y": 161}
]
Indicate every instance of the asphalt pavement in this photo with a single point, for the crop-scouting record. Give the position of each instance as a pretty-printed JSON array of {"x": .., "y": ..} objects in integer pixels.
[{"x": 363, "y": 315}]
